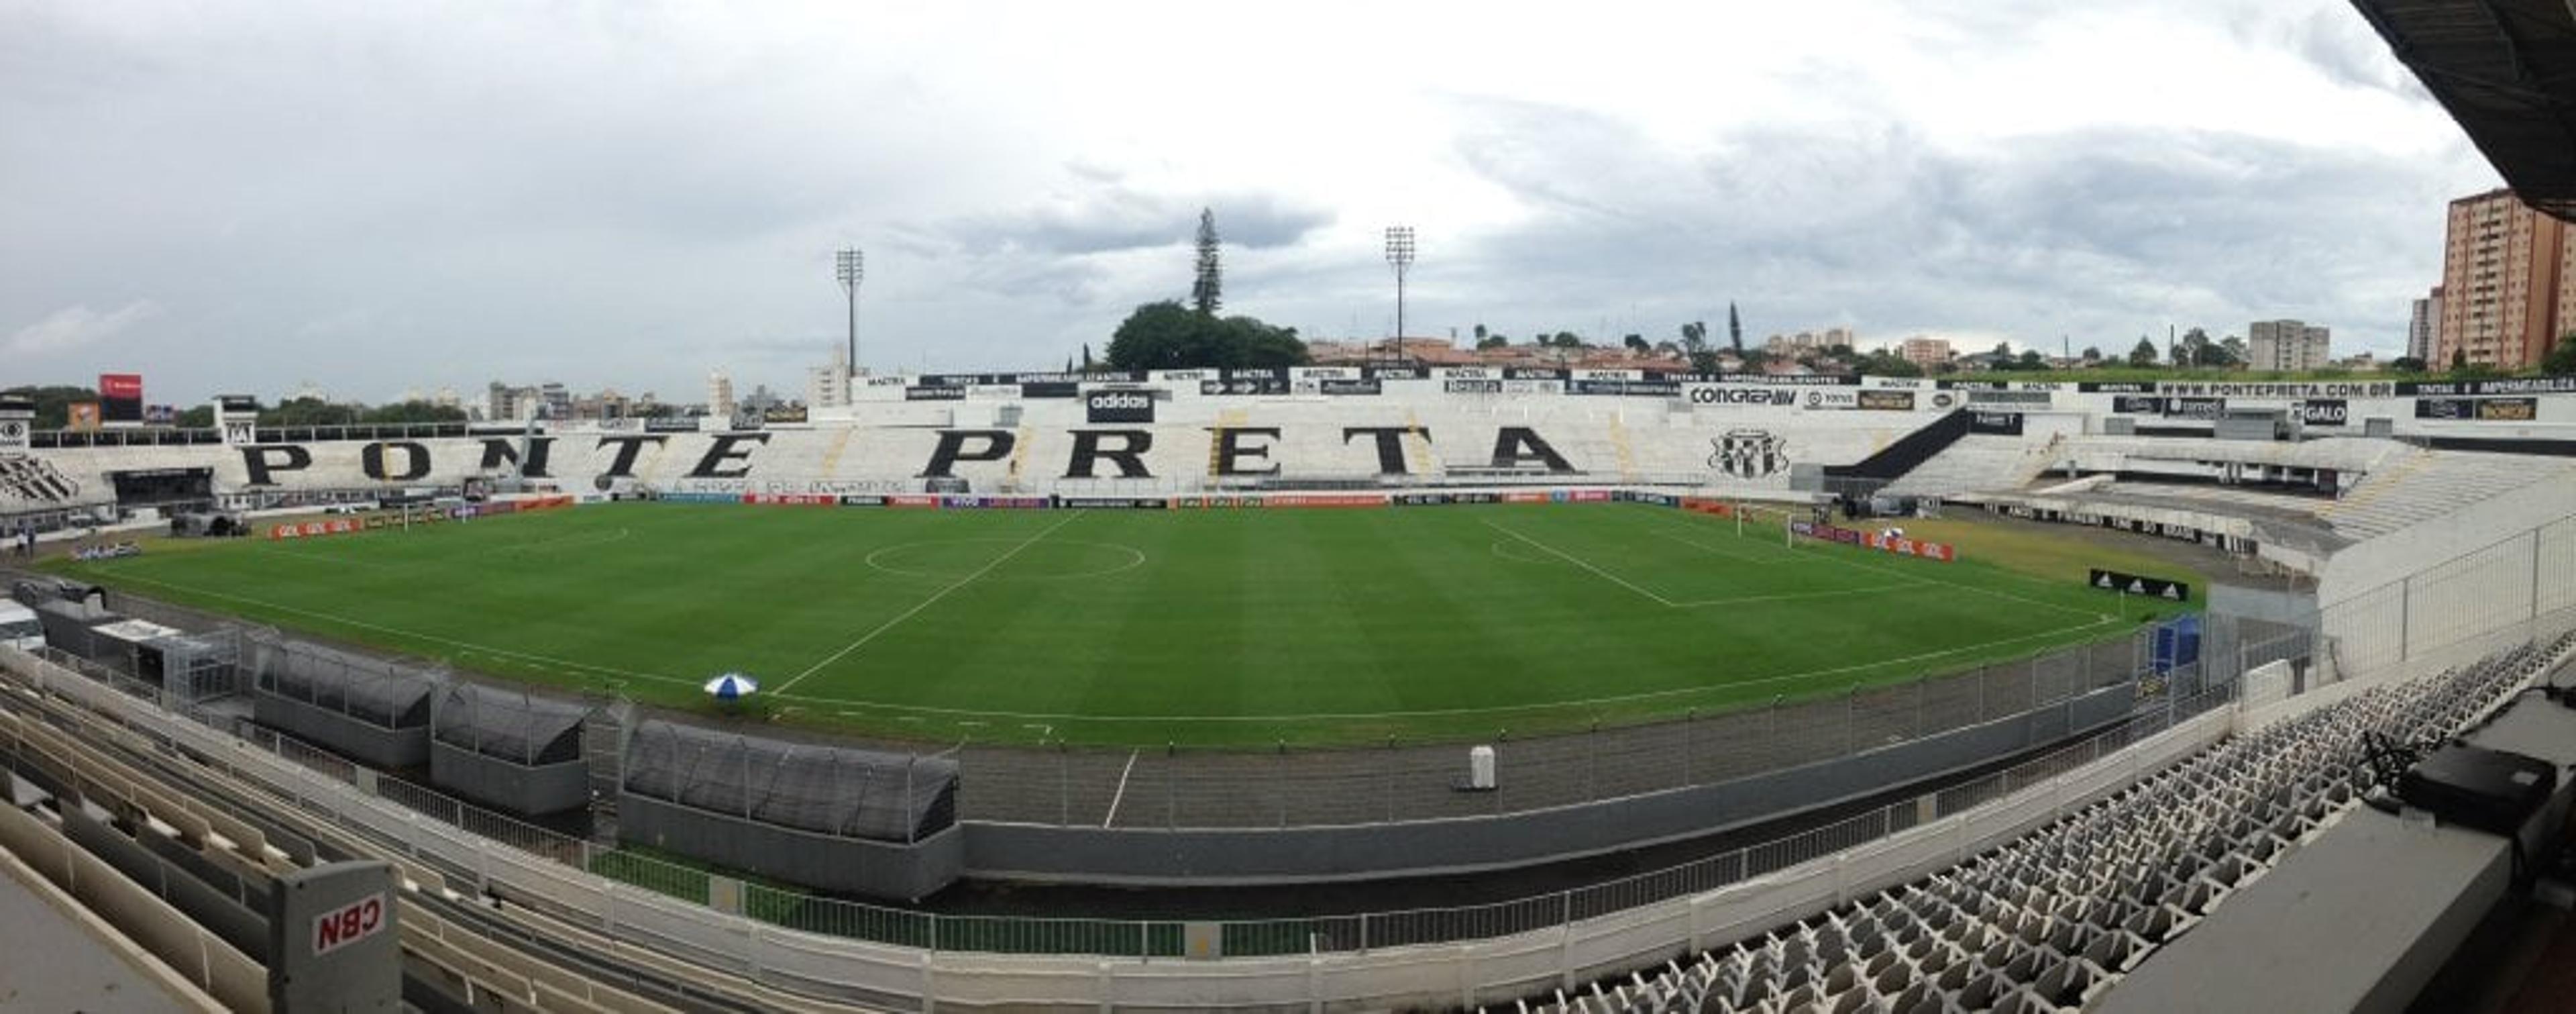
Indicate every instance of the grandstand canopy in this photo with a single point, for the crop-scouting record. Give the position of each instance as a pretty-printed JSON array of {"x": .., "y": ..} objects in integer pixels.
[{"x": 2506, "y": 70}]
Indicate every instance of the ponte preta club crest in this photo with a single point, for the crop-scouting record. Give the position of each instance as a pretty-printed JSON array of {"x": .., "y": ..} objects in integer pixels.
[{"x": 1749, "y": 454}]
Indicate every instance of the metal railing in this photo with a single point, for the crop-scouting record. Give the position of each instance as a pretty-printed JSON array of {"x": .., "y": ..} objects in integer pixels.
[{"x": 791, "y": 908}]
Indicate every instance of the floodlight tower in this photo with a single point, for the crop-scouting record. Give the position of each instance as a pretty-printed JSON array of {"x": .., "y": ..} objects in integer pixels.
[
  {"x": 1399, "y": 254},
  {"x": 851, "y": 266}
]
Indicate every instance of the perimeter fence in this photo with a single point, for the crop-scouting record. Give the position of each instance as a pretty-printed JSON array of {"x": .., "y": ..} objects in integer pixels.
[
  {"x": 1286, "y": 785},
  {"x": 791, "y": 908}
]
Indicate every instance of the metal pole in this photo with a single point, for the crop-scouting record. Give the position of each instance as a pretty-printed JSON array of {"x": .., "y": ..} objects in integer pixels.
[
  {"x": 2535, "y": 573},
  {"x": 1690, "y": 741},
  {"x": 2405, "y": 614},
  {"x": 1390, "y": 778}
]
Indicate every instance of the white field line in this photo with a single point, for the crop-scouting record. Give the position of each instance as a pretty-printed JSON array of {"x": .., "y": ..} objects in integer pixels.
[
  {"x": 1714, "y": 551},
  {"x": 1792, "y": 596},
  {"x": 1112, "y": 815},
  {"x": 924, "y": 604},
  {"x": 1830, "y": 554},
  {"x": 1491, "y": 710},
  {"x": 1585, "y": 564},
  {"x": 566, "y": 664}
]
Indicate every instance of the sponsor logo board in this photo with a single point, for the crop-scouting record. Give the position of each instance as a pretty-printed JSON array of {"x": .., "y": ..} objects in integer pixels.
[
  {"x": 1118, "y": 407},
  {"x": 2007, "y": 424},
  {"x": 2133, "y": 584},
  {"x": 2195, "y": 408},
  {"x": 1735, "y": 394}
]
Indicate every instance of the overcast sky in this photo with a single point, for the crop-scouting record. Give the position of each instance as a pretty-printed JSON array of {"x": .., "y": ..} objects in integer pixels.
[{"x": 384, "y": 196}]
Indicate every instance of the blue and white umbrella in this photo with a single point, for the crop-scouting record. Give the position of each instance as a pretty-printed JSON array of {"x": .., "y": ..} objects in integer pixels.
[{"x": 732, "y": 686}]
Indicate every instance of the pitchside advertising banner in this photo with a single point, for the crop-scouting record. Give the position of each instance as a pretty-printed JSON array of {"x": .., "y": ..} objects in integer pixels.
[
  {"x": 2322, "y": 412},
  {"x": 2132, "y": 584},
  {"x": 120, "y": 399},
  {"x": 2137, "y": 404},
  {"x": 1887, "y": 401},
  {"x": 1882, "y": 541}
]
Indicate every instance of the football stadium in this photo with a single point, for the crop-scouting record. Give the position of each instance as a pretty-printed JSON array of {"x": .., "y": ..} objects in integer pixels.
[{"x": 1397, "y": 684}]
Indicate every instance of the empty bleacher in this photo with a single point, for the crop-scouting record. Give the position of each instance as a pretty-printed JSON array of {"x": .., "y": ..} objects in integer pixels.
[
  {"x": 2055, "y": 919},
  {"x": 1976, "y": 464}
]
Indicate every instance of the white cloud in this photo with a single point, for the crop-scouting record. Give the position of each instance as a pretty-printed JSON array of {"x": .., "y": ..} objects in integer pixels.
[
  {"x": 74, "y": 327},
  {"x": 633, "y": 194}
]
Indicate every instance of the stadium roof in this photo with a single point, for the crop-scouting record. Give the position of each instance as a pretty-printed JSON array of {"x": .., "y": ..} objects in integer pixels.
[{"x": 2506, "y": 70}]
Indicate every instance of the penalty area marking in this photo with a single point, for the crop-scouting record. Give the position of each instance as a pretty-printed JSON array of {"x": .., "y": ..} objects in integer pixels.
[
  {"x": 925, "y": 604},
  {"x": 1503, "y": 549},
  {"x": 1585, "y": 564}
]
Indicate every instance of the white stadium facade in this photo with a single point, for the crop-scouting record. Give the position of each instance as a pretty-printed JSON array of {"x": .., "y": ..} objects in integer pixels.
[{"x": 2426, "y": 529}]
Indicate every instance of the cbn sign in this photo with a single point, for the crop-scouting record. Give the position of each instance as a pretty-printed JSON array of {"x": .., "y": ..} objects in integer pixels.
[{"x": 348, "y": 924}]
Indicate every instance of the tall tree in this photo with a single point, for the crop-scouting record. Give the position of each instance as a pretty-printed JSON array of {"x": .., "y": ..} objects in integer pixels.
[
  {"x": 1735, "y": 328},
  {"x": 2562, "y": 359},
  {"x": 1169, "y": 336},
  {"x": 1086, "y": 357},
  {"x": 1695, "y": 345},
  {"x": 2144, "y": 354},
  {"x": 1207, "y": 295}
]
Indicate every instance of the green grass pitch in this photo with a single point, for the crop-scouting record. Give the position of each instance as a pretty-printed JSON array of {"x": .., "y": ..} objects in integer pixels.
[{"x": 1147, "y": 627}]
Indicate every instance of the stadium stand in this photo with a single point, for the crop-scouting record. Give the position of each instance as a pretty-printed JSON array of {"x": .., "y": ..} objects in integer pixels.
[
  {"x": 2056, "y": 919},
  {"x": 1976, "y": 464}
]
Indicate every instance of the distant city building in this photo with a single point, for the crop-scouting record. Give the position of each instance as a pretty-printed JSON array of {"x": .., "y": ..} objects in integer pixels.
[
  {"x": 2505, "y": 283},
  {"x": 2286, "y": 345},
  {"x": 504, "y": 403},
  {"x": 760, "y": 400},
  {"x": 1924, "y": 352},
  {"x": 829, "y": 386},
  {"x": 2424, "y": 325},
  {"x": 1841, "y": 336},
  {"x": 720, "y": 402}
]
